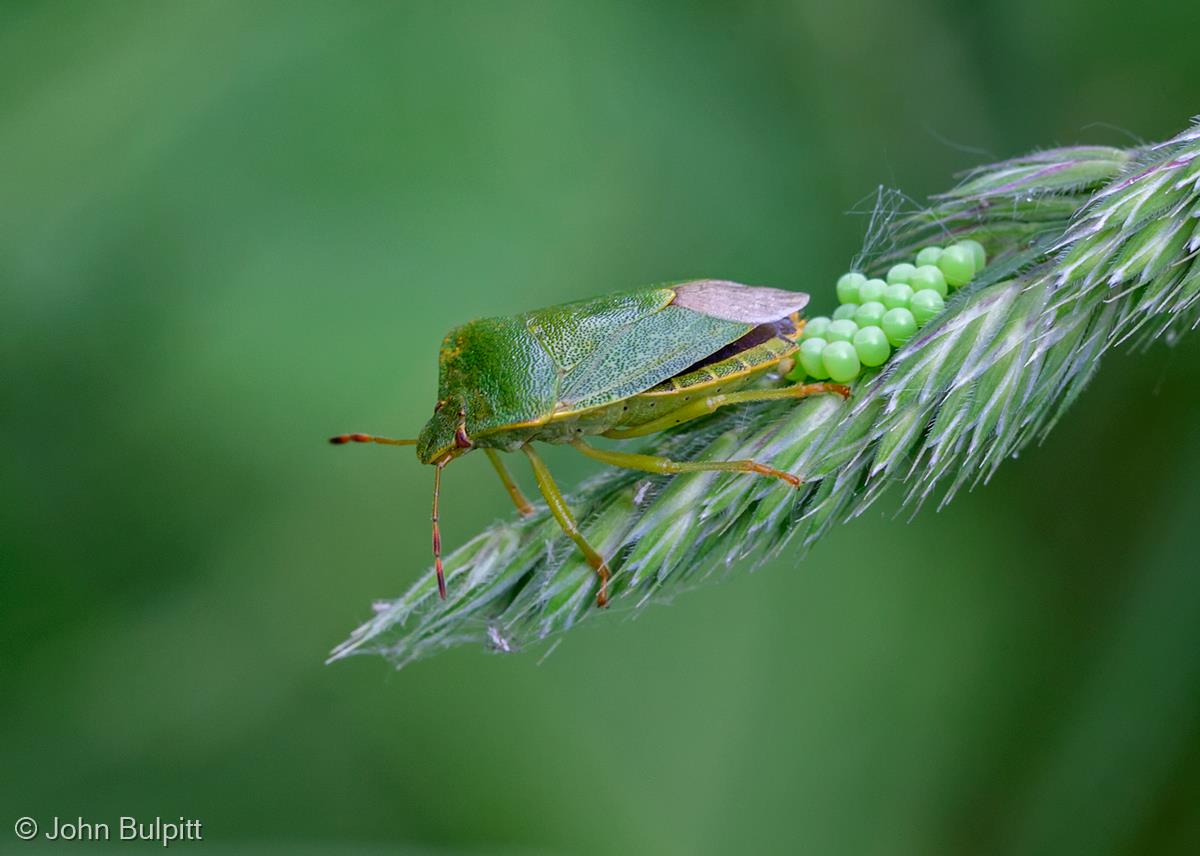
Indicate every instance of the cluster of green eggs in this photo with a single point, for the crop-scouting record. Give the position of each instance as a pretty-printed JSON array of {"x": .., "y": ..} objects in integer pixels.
[{"x": 878, "y": 315}]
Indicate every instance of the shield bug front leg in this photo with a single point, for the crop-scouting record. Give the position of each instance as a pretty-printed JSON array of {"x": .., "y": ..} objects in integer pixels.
[{"x": 524, "y": 508}]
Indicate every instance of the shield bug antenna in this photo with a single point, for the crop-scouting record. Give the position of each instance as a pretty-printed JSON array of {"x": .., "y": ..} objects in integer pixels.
[
  {"x": 462, "y": 442},
  {"x": 437, "y": 534},
  {"x": 369, "y": 438}
]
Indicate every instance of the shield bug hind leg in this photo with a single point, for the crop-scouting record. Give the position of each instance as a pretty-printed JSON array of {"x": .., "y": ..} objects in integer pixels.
[
  {"x": 655, "y": 464},
  {"x": 712, "y": 403},
  {"x": 562, "y": 513}
]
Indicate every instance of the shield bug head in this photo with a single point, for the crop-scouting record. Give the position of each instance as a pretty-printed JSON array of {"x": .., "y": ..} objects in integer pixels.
[{"x": 444, "y": 436}]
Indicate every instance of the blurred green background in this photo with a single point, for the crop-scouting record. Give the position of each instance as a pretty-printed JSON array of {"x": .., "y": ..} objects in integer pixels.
[{"x": 230, "y": 229}]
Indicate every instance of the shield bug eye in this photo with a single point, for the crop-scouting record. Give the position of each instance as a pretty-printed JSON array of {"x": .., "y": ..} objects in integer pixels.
[
  {"x": 460, "y": 435},
  {"x": 439, "y": 405}
]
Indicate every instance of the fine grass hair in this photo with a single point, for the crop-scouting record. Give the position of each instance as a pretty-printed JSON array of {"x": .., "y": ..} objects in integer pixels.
[{"x": 1089, "y": 247}]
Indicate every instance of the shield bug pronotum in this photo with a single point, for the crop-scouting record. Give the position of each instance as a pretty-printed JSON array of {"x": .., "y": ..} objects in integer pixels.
[{"x": 620, "y": 366}]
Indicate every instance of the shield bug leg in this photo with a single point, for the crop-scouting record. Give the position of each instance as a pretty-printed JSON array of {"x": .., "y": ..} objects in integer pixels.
[
  {"x": 654, "y": 464},
  {"x": 711, "y": 403},
  {"x": 518, "y": 498},
  {"x": 558, "y": 507}
]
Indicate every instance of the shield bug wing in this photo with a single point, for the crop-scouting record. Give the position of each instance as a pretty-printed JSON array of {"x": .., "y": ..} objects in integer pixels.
[
  {"x": 638, "y": 357},
  {"x": 704, "y": 316},
  {"x": 569, "y": 333}
]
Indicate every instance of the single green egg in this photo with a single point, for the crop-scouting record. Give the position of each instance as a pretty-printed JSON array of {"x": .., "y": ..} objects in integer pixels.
[
  {"x": 841, "y": 361},
  {"x": 900, "y": 273},
  {"x": 958, "y": 265},
  {"x": 810, "y": 358},
  {"x": 929, "y": 277},
  {"x": 977, "y": 252},
  {"x": 870, "y": 314},
  {"x": 899, "y": 325},
  {"x": 841, "y": 331},
  {"x": 847, "y": 287},
  {"x": 929, "y": 256},
  {"x": 871, "y": 290},
  {"x": 897, "y": 296},
  {"x": 925, "y": 305},
  {"x": 871, "y": 344},
  {"x": 814, "y": 328}
]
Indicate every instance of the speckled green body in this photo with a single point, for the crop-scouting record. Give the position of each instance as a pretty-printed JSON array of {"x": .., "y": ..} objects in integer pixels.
[{"x": 587, "y": 368}]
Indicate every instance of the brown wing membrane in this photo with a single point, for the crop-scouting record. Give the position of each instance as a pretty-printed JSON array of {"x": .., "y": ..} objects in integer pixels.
[{"x": 731, "y": 301}]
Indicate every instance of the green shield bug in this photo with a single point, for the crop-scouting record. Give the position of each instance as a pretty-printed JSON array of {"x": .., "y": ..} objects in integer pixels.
[{"x": 619, "y": 366}]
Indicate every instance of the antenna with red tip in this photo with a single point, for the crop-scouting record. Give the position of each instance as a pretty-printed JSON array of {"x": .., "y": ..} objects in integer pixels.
[
  {"x": 437, "y": 489},
  {"x": 437, "y": 535},
  {"x": 369, "y": 438}
]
